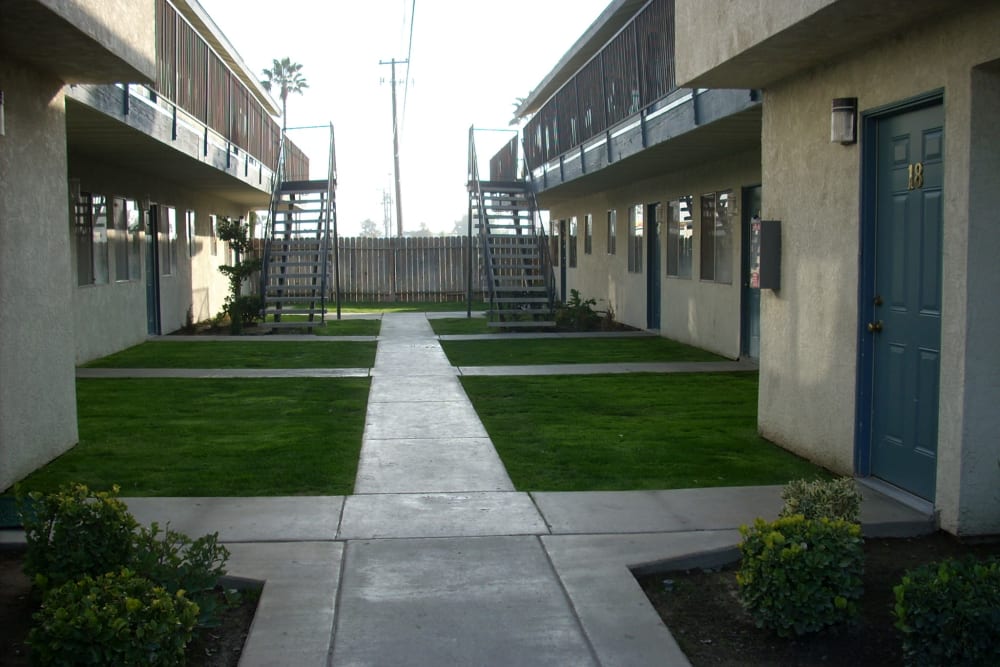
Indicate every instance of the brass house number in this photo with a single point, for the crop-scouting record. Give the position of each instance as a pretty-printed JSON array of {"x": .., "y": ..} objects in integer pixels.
[{"x": 916, "y": 176}]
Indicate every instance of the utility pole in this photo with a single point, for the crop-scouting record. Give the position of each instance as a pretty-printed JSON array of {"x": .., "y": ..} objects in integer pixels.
[
  {"x": 387, "y": 212},
  {"x": 395, "y": 143}
]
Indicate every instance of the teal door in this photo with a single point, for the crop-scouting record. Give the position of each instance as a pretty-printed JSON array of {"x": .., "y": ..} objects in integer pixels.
[
  {"x": 750, "y": 308},
  {"x": 653, "y": 266},
  {"x": 905, "y": 325}
]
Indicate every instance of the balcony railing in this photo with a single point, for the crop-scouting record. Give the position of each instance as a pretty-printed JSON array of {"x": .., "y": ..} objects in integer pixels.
[
  {"x": 193, "y": 76},
  {"x": 633, "y": 70}
]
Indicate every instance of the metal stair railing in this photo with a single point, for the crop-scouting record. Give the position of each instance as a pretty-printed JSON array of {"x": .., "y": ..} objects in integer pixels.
[
  {"x": 277, "y": 177},
  {"x": 483, "y": 218},
  {"x": 331, "y": 218},
  {"x": 548, "y": 269}
]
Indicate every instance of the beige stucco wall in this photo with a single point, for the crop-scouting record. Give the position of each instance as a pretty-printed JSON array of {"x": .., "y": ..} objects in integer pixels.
[
  {"x": 37, "y": 386},
  {"x": 112, "y": 317},
  {"x": 809, "y": 327},
  {"x": 693, "y": 311},
  {"x": 734, "y": 27}
]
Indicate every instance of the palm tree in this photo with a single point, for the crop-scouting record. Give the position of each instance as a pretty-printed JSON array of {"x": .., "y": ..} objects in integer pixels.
[{"x": 287, "y": 77}]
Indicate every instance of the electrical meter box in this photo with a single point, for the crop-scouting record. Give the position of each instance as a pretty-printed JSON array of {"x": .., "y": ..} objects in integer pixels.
[{"x": 765, "y": 254}]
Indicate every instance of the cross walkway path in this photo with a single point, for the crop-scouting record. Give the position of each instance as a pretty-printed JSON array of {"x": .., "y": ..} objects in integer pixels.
[{"x": 437, "y": 560}]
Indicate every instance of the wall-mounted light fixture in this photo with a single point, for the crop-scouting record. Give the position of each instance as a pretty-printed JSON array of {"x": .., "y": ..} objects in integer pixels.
[
  {"x": 844, "y": 120},
  {"x": 3, "y": 123}
]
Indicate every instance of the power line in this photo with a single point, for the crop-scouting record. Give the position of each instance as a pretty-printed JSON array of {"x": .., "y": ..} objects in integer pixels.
[{"x": 409, "y": 51}]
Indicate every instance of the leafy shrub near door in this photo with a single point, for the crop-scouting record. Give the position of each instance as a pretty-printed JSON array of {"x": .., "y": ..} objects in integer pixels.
[
  {"x": 832, "y": 499},
  {"x": 949, "y": 613},
  {"x": 799, "y": 575},
  {"x": 118, "y": 618}
]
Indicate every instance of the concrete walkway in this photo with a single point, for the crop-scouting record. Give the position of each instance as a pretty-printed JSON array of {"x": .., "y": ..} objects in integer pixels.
[{"x": 437, "y": 560}]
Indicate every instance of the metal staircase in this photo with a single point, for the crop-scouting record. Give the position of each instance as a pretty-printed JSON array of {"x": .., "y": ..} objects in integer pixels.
[
  {"x": 515, "y": 250},
  {"x": 297, "y": 251}
]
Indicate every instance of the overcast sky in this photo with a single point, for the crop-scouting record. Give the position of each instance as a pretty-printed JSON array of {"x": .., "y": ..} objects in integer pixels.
[{"x": 470, "y": 60}]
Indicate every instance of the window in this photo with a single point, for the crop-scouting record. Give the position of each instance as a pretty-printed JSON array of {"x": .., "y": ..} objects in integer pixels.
[
  {"x": 588, "y": 234},
  {"x": 635, "y": 231},
  {"x": 717, "y": 237},
  {"x": 612, "y": 231},
  {"x": 189, "y": 229},
  {"x": 120, "y": 239},
  {"x": 167, "y": 233},
  {"x": 90, "y": 227},
  {"x": 213, "y": 243},
  {"x": 572, "y": 242},
  {"x": 133, "y": 221},
  {"x": 554, "y": 235},
  {"x": 680, "y": 238}
]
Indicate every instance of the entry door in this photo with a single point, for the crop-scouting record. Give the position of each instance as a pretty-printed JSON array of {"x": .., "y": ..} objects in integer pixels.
[
  {"x": 750, "y": 313},
  {"x": 653, "y": 266},
  {"x": 905, "y": 328},
  {"x": 152, "y": 272}
]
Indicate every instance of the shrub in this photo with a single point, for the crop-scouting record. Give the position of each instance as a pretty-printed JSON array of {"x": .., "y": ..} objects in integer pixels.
[
  {"x": 75, "y": 532},
  {"x": 799, "y": 575},
  {"x": 949, "y": 613},
  {"x": 177, "y": 563},
  {"x": 578, "y": 313},
  {"x": 832, "y": 499},
  {"x": 115, "y": 619}
]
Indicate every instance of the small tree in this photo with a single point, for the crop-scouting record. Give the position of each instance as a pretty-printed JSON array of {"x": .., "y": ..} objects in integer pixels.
[
  {"x": 369, "y": 229},
  {"x": 241, "y": 309}
]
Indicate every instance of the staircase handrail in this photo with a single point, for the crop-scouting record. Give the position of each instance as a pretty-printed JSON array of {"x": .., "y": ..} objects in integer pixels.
[
  {"x": 277, "y": 177},
  {"x": 331, "y": 217},
  {"x": 539, "y": 229},
  {"x": 474, "y": 182}
]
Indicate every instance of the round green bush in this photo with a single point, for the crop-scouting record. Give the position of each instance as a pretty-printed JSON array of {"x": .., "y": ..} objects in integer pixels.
[
  {"x": 115, "y": 619},
  {"x": 76, "y": 532},
  {"x": 949, "y": 613},
  {"x": 798, "y": 575}
]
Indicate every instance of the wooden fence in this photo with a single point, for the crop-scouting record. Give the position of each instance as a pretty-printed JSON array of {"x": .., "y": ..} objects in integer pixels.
[{"x": 408, "y": 269}]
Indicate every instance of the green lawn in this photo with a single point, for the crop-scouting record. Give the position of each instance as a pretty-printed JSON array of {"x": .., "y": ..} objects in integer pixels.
[
  {"x": 570, "y": 351},
  {"x": 461, "y": 325},
  {"x": 637, "y": 431},
  {"x": 241, "y": 354},
  {"x": 219, "y": 437},
  {"x": 406, "y": 307},
  {"x": 335, "y": 327}
]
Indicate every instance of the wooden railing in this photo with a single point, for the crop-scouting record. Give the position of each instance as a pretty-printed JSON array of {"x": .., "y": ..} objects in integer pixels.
[
  {"x": 633, "y": 70},
  {"x": 193, "y": 76}
]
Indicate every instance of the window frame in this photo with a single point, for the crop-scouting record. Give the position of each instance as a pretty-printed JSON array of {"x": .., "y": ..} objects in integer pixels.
[
  {"x": 636, "y": 232},
  {"x": 716, "y": 236},
  {"x": 588, "y": 234},
  {"x": 572, "y": 242},
  {"x": 679, "y": 244},
  {"x": 612, "y": 231}
]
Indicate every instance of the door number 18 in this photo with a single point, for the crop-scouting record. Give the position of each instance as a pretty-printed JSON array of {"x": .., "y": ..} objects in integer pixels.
[{"x": 916, "y": 176}]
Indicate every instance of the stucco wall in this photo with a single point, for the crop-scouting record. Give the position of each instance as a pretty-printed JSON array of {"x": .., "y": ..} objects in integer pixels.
[
  {"x": 37, "y": 385},
  {"x": 809, "y": 328},
  {"x": 701, "y": 313},
  {"x": 734, "y": 27},
  {"x": 112, "y": 317}
]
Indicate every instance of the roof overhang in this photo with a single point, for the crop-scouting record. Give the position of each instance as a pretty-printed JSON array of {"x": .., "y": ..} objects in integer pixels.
[
  {"x": 769, "y": 40},
  {"x": 600, "y": 32},
  {"x": 82, "y": 41}
]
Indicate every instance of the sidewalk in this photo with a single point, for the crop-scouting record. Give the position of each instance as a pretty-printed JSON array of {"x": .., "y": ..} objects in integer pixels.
[{"x": 437, "y": 560}]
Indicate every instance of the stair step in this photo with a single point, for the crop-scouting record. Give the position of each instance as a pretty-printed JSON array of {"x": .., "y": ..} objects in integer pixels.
[
  {"x": 294, "y": 311},
  {"x": 529, "y": 299},
  {"x": 291, "y": 299}
]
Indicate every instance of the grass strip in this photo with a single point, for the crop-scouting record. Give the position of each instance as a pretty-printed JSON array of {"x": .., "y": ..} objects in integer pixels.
[
  {"x": 408, "y": 306},
  {"x": 333, "y": 326},
  {"x": 461, "y": 325},
  {"x": 571, "y": 351},
  {"x": 622, "y": 432},
  {"x": 247, "y": 437},
  {"x": 241, "y": 354}
]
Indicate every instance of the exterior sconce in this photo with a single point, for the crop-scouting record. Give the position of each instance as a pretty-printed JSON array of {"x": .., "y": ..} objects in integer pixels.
[{"x": 844, "y": 121}]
